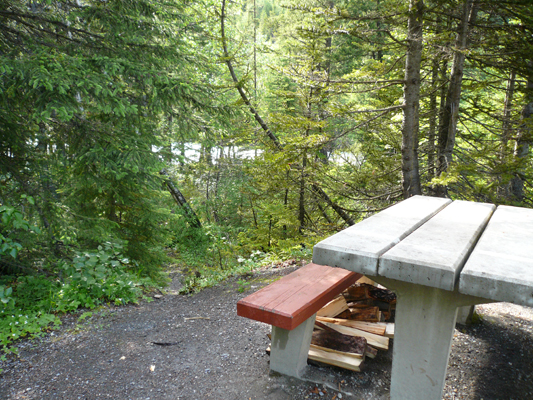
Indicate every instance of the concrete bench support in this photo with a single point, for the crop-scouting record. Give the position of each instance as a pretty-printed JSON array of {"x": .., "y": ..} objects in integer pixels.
[
  {"x": 289, "y": 349},
  {"x": 425, "y": 320}
]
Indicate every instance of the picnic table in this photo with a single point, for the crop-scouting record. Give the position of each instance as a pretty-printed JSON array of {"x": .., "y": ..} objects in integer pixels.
[{"x": 437, "y": 255}]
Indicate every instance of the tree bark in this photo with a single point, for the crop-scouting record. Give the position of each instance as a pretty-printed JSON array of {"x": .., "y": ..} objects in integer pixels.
[
  {"x": 523, "y": 139},
  {"x": 182, "y": 202},
  {"x": 324, "y": 213},
  {"x": 217, "y": 181},
  {"x": 301, "y": 206},
  {"x": 432, "y": 119},
  {"x": 507, "y": 107},
  {"x": 434, "y": 112},
  {"x": 448, "y": 126},
  {"x": 411, "y": 109},
  {"x": 503, "y": 188}
]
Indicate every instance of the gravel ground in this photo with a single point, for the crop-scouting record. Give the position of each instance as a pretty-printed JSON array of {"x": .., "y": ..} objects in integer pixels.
[{"x": 196, "y": 347}]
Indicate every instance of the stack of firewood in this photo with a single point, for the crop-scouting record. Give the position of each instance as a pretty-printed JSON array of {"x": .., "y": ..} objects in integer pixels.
[{"x": 354, "y": 326}]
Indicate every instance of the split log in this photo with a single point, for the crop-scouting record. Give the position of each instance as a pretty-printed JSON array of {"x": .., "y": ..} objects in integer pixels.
[
  {"x": 358, "y": 292},
  {"x": 361, "y": 303},
  {"x": 378, "y": 328},
  {"x": 365, "y": 279},
  {"x": 371, "y": 327},
  {"x": 364, "y": 291},
  {"x": 345, "y": 361},
  {"x": 368, "y": 314},
  {"x": 389, "y": 330},
  {"x": 333, "y": 308},
  {"x": 342, "y": 360},
  {"x": 320, "y": 325},
  {"x": 377, "y": 341},
  {"x": 333, "y": 340},
  {"x": 385, "y": 308},
  {"x": 384, "y": 295},
  {"x": 371, "y": 352}
]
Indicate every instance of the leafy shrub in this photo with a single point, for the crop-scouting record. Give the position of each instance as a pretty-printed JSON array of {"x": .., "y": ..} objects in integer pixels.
[
  {"x": 11, "y": 222},
  {"x": 31, "y": 303},
  {"x": 98, "y": 276}
]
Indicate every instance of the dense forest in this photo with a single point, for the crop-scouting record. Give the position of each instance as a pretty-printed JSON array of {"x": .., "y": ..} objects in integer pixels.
[{"x": 218, "y": 136}]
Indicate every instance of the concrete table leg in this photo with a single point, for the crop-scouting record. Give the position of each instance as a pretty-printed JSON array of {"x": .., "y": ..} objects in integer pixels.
[
  {"x": 289, "y": 349},
  {"x": 425, "y": 322},
  {"x": 465, "y": 314},
  {"x": 424, "y": 325}
]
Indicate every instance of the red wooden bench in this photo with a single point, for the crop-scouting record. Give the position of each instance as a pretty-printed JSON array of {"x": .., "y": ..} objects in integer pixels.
[{"x": 290, "y": 305}]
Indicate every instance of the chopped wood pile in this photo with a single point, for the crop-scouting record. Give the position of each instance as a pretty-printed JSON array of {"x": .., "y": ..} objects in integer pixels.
[{"x": 354, "y": 326}]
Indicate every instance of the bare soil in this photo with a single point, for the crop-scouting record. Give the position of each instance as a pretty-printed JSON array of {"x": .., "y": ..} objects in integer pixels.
[{"x": 196, "y": 347}]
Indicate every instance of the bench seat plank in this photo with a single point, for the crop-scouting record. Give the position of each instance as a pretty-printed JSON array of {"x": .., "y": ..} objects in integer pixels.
[
  {"x": 294, "y": 298},
  {"x": 501, "y": 266}
]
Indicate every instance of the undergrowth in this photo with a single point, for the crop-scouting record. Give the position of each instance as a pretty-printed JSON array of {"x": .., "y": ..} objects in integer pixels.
[
  {"x": 202, "y": 276},
  {"x": 30, "y": 305}
]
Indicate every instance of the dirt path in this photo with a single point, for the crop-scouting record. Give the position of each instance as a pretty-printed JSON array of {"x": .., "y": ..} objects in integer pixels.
[{"x": 162, "y": 350}]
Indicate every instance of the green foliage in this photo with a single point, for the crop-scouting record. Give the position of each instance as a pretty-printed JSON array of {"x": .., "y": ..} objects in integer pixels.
[
  {"x": 243, "y": 285},
  {"x": 95, "y": 277},
  {"x": 121, "y": 197},
  {"x": 83, "y": 93},
  {"x": 6, "y": 297},
  {"x": 202, "y": 276},
  {"x": 17, "y": 323},
  {"x": 30, "y": 305},
  {"x": 12, "y": 221}
]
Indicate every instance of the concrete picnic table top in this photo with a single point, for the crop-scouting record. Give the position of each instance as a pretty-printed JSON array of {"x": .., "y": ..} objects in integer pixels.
[{"x": 437, "y": 255}]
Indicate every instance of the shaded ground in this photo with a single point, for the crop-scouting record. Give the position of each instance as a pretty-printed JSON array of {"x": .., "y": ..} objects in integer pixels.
[{"x": 162, "y": 350}]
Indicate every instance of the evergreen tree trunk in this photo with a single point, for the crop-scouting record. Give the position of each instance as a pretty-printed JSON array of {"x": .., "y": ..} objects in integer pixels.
[
  {"x": 448, "y": 126},
  {"x": 411, "y": 109},
  {"x": 206, "y": 202},
  {"x": 324, "y": 213},
  {"x": 506, "y": 123},
  {"x": 217, "y": 181},
  {"x": 286, "y": 202},
  {"x": 432, "y": 119},
  {"x": 349, "y": 220},
  {"x": 112, "y": 209},
  {"x": 523, "y": 139},
  {"x": 503, "y": 189},
  {"x": 379, "y": 28},
  {"x": 301, "y": 208},
  {"x": 239, "y": 84}
]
